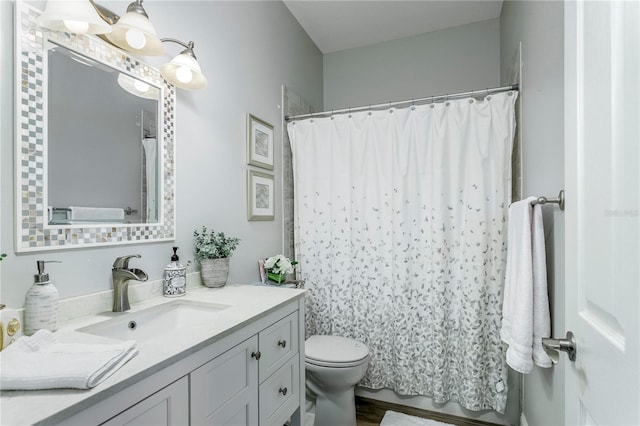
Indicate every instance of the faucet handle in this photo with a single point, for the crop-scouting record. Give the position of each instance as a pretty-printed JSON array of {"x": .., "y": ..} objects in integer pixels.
[{"x": 123, "y": 262}]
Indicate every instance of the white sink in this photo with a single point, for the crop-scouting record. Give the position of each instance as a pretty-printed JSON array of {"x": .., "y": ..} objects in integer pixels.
[{"x": 156, "y": 322}]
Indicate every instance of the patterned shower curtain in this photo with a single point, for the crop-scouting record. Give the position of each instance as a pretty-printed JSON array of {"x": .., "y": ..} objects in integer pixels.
[{"x": 400, "y": 231}]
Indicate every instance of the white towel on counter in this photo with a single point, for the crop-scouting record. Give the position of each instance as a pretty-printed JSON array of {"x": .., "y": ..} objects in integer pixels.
[
  {"x": 39, "y": 362},
  {"x": 102, "y": 214},
  {"x": 525, "y": 311}
]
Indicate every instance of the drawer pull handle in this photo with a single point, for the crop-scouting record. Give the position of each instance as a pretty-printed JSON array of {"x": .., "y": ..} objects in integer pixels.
[
  {"x": 256, "y": 355},
  {"x": 282, "y": 390},
  {"x": 282, "y": 343}
]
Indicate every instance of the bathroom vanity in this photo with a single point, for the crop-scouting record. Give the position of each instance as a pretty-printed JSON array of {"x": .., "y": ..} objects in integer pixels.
[{"x": 243, "y": 365}]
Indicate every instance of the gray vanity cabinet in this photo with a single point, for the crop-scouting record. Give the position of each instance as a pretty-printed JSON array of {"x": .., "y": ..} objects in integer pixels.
[{"x": 251, "y": 376}]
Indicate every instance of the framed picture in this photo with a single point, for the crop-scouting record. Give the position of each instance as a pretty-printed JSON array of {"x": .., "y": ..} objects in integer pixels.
[
  {"x": 259, "y": 143},
  {"x": 260, "y": 196}
]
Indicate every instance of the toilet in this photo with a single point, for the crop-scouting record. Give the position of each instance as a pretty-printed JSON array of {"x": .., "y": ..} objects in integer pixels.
[{"x": 334, "y": 365}]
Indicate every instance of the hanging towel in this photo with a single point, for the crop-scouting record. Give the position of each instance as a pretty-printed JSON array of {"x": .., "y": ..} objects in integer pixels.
[
  {"x": 525, "y": 312},
  {"x": 102, "y": 214},
  {"x": 39, "y": 362}
]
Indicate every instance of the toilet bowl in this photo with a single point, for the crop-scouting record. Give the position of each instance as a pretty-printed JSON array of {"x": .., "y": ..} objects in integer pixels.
[{"x": 334, "y": 365}]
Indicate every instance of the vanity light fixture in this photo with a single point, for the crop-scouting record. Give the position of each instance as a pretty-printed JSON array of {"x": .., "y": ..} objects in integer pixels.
[
  {"x": 133, "y": 32},
  {"x": 73, "y": 16},
  {"x": 183, "y": 71}
]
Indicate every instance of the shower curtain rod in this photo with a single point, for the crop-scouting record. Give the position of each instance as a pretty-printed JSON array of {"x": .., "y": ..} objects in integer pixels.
[{"x": 430, "y": 99}]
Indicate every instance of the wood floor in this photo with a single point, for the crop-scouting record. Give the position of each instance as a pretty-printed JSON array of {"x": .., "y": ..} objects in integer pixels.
[{"x": 370, "y": 412}]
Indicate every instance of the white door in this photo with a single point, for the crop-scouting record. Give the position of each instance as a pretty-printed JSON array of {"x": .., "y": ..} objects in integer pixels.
[{"x": 602, "y": 159}]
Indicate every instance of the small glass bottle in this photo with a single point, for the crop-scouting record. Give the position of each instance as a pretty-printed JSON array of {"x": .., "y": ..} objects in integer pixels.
[{"x": 175, "y": 277}]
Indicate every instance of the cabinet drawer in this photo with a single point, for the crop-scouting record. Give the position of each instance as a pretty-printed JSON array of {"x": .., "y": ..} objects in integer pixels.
[
  {"x": 278, "y": 343},
  {"x": 280, "y": 394}
]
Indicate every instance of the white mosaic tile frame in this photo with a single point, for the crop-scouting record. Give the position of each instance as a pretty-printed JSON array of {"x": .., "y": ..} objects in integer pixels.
[{"x": 32, "y": 230}]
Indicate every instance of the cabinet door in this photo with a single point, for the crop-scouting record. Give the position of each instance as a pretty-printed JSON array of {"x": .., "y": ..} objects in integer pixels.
[
  {"x": 168, "y": 406},
  {"x": 224, "y": 391}
]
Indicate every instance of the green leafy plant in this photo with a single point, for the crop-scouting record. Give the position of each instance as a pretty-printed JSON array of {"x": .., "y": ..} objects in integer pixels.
[
  {"x": 2, "y": 256},
  {"x": 213, "y": 245}
]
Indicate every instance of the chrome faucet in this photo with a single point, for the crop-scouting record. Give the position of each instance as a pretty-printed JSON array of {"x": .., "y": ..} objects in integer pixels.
[{"x": 121, "y": 276}]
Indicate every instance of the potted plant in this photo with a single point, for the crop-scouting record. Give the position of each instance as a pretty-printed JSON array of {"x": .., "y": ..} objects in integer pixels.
[
  {"x": 278, "y": 267},
  {"x": 213, "y": 250}
]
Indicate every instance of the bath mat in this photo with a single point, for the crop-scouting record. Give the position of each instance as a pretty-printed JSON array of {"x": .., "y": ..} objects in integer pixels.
[{"x": 392, "y": 418}]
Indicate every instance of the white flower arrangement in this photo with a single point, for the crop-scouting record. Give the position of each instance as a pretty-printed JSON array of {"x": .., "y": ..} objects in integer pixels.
[{"x": 278, "y": 266}]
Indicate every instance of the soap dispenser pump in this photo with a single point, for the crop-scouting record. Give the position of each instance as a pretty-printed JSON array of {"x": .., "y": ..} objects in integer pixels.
[
  {"x": 175, "y": 277},
  {"x": 41, "y": 303}
]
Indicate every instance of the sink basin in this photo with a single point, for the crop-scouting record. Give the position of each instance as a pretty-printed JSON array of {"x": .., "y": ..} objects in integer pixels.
[{"x": 156, "y": 322}]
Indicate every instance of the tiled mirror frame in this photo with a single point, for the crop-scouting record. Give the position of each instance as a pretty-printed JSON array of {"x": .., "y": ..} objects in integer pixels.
[{"x": 32, "y": 230}]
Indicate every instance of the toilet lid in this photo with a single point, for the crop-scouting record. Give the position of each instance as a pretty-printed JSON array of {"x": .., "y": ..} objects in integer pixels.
[{"x": 334, "y": 350}]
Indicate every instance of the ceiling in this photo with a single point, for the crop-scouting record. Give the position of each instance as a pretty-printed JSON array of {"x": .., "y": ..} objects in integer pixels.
[{"x": 336, "y": 25}]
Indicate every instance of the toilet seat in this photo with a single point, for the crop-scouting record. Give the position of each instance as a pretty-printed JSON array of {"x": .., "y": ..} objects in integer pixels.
[{"x": 334, "y": 351}]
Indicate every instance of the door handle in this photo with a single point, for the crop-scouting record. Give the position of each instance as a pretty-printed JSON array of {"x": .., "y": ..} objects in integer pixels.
[{"x": 568, "y": 345}]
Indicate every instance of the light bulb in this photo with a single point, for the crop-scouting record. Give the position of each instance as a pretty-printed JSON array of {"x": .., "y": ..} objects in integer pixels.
[
  {"x": 141, "y": 86},
  {"x": 184, "y": 74},
  {"x": 135, "y": 38},
  {"x": 77, "y": 27}
]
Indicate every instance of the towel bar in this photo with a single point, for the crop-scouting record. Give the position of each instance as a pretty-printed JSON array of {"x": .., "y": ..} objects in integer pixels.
[{"x": 545, "y": 200}]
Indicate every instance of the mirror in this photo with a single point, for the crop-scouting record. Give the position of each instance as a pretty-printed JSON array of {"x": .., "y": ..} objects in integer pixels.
[
  {"x": 94, "y": 142},
  {"x": 113, "y": 118}
]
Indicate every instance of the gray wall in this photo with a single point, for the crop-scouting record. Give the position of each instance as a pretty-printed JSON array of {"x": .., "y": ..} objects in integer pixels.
[
  {"x": 453, "y": 60},
  {"x": 247, "y": 51},
  {"x": 539, "y": 25},
  {"x": 448, "y": 61}
]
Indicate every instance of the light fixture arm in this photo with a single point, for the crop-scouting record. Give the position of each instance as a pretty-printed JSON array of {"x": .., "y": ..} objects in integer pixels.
[
  {"x": 188, "y": 46},
  {"x": 111, "y": 17},
  {"x": 106, "y": 14},
  {"x": 136, "y": 7}
]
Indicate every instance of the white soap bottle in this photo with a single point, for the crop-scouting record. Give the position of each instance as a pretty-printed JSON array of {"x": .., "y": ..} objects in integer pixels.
[
  {"x": 41, "y": 303},
  {"x": 175, "y": 277}
]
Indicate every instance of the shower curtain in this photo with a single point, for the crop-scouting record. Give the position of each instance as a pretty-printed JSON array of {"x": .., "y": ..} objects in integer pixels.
[
  {"x": 151, "y": 161},
  {"x": 400, "y": 233}
]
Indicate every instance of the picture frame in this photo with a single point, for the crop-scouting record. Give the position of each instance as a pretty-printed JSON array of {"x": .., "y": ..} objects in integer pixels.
[
  {"x": 260, "y": 196},
  {"x": 259, "y": 143}
]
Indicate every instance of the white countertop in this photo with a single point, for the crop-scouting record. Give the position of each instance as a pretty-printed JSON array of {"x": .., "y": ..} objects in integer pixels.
[{"x": 247, "y": 303}]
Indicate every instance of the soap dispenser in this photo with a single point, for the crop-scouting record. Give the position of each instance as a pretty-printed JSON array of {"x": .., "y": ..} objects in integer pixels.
[
  {"x": 41, "y": 303},
  {"x": 175, "y": 277}
]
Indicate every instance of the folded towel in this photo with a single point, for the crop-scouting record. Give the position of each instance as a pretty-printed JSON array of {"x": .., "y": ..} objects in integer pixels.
[
  {"x": 39, "y": 362},
  {"x": 102, "y": 214},
  {"x": 525, "y": 312}
]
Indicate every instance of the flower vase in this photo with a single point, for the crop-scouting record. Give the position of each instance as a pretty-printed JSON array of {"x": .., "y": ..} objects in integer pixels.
[{"x": 277, "y": 278}]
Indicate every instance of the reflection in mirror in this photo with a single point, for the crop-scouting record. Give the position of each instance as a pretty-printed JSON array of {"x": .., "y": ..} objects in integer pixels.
[
  {"x": 102, "y": 137},
  {"x": 95, "y": 141}
]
